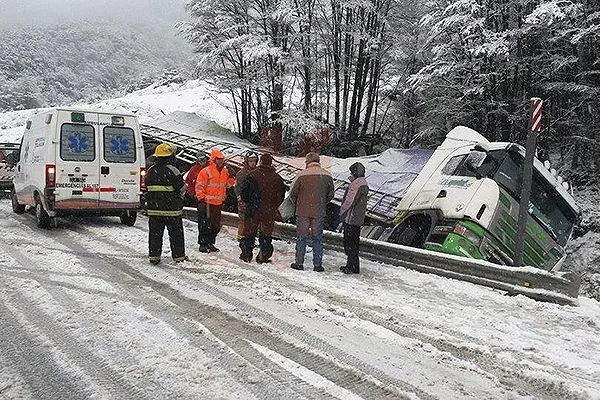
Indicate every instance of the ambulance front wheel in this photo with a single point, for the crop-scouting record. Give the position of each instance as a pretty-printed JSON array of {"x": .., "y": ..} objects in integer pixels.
[
  {"x": 42, "y": 218},
  {"x": 16, "y": 207},
  {"x": 128, "y": 218}
]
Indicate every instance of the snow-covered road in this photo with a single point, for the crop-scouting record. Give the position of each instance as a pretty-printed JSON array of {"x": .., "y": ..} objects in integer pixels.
[{"x": 84, "y": 315}]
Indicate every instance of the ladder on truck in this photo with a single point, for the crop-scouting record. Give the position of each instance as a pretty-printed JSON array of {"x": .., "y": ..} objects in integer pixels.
[{"x": 381, "y": 206}]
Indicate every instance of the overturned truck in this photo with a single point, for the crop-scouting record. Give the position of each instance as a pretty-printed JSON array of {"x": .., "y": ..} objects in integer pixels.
[{"x": 463, "y": 199}]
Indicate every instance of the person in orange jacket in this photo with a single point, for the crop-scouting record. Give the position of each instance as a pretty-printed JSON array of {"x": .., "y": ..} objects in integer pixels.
[{"x": 211, "y": 190}]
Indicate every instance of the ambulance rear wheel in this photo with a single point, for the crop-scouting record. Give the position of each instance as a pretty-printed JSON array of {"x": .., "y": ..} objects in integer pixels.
[
  {"x": 128, "y": 218},
  {"x": 42, "y": 218},
  {"x": 17, "y": 208}
]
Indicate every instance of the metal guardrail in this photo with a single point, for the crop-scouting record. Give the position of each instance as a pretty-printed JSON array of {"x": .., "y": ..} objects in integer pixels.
[{"x": 560, "y": 288}]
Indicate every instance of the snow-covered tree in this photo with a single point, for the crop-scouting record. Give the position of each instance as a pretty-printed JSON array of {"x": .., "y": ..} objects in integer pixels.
[{"x": 485, "y": 59}]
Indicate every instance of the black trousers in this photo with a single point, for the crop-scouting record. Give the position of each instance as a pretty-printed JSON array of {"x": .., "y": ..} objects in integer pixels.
[
  {"x": 156, "y": 227},
  {"x": 351, "y": 244},
  {"x": 209, "y": 223}
]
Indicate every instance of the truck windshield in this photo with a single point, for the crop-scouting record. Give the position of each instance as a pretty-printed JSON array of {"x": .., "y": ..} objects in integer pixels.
[{"x": 546, "y": 206}]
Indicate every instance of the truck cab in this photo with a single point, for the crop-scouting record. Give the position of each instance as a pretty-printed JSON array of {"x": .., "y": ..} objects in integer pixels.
[{"x": 466, "y": 199}]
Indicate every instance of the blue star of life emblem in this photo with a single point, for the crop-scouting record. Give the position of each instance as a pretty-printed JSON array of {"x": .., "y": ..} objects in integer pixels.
[
  {"x": 119, "y": 145},
  {"x": 78, "y": 143}
]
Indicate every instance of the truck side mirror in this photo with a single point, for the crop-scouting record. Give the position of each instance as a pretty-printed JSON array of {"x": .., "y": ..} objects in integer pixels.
[{"x": 476, "y": 158}]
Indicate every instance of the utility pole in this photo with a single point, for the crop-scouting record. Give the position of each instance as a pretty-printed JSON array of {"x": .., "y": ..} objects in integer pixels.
[{"x": 535, "y": 124}]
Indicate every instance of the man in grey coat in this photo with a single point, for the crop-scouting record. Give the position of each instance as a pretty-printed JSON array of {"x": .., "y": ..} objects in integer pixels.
[
  {"x": 311, "y": 192},
  {"x": 352, "y": 214}
]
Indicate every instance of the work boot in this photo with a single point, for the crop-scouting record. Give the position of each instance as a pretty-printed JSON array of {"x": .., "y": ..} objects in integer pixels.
[
  {"x": 246, "y": 256},
  {"x": 154, "y": 260},
  {"x": 203, "y": 248},
  {"x": 259, "y": 258},
  {"x": 318, "y": 268},
  {"x": 346, "y": 270},
  {"x": 212, "y": 248},
  {"x": 298, "y": 267},
  {"x": 181, "y": 259},
  {"x": 263, "y": 258}
]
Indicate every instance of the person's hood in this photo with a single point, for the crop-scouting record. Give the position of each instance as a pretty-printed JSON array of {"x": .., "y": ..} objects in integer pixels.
[
  {"x": 215, "y": 153},
  {"x": 357, "y": 170}
]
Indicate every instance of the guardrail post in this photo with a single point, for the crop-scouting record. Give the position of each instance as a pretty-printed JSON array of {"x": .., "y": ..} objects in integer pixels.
[{"x": 535, "y": 123}]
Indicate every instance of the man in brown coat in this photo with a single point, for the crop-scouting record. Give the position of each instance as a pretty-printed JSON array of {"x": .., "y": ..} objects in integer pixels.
[
  {"x": 250, "y": 161},
  {"x": 311, "y": 192},
  {"x": 270, "y": 187}
]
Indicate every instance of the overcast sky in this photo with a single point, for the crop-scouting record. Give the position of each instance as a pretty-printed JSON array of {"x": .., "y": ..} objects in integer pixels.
[{"x": 50, "y": 12}]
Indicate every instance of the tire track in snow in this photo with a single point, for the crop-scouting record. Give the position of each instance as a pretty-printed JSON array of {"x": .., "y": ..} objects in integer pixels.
[
  {"x": 348, "y": 372},
  {"x": 512, "y": 376},
  {"x": 34, "y": 362},
  {"x": 95, "y": 368},
  {"x": 525, "y": 382},
  {"x": 119, "y": 271}
]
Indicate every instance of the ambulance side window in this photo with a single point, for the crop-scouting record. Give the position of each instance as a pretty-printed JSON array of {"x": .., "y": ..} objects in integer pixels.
[
  {"x": 77, "y": 142},
  {"x": 119, "y": 144}
]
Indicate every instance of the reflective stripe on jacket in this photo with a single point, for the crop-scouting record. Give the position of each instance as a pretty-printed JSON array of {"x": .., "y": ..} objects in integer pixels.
[
  {"x": 212, "y": 184},
  {"x": 163, "y": 213},
  {"x": 164, "y": 184}
]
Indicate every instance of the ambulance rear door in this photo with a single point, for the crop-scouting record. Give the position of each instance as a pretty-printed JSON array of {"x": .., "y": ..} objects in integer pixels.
[
  {"x": 77, "y": 174},
  {"x": 120, "y": 162}
]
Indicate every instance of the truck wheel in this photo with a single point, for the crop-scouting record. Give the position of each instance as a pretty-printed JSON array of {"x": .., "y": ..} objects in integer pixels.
[
  {"x": 42, "y": 218},
  {"x": 412, "y": 232},
  {"x": 17, "y": 208},
  {"x": 128, "y": 218}
]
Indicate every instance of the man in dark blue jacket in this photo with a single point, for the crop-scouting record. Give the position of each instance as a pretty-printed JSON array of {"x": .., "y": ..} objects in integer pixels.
[{"x": 164, "y": 201}]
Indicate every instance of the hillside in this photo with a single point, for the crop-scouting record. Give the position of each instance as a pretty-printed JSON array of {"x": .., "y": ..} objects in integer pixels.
[{"x": 84, "y": 61}]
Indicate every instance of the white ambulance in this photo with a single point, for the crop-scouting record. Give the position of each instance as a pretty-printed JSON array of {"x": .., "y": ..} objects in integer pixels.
[{"x": 78, "y": 162}]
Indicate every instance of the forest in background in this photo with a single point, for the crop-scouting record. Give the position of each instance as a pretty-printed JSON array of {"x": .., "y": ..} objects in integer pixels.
[
  {"x": 399, "y": 73},
  {"x": 84, "y": 61},
  {"x": 368, "y": 74}
]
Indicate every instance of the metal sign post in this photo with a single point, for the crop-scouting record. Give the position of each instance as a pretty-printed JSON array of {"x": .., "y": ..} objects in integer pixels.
[{"x": 535, "y": 124}]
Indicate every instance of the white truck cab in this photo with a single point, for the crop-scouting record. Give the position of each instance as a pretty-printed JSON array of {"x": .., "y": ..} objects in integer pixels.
[{"x": 77, "y": 162}]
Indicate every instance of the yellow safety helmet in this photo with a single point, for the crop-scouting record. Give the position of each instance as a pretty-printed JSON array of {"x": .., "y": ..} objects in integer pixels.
[{"x": 163, "y": 150}]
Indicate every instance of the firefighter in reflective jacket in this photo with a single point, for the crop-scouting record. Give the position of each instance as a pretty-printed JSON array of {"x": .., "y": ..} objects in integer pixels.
[
  {"x": 164, "y": 200},
  {"x": 211, "y": 191}
]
